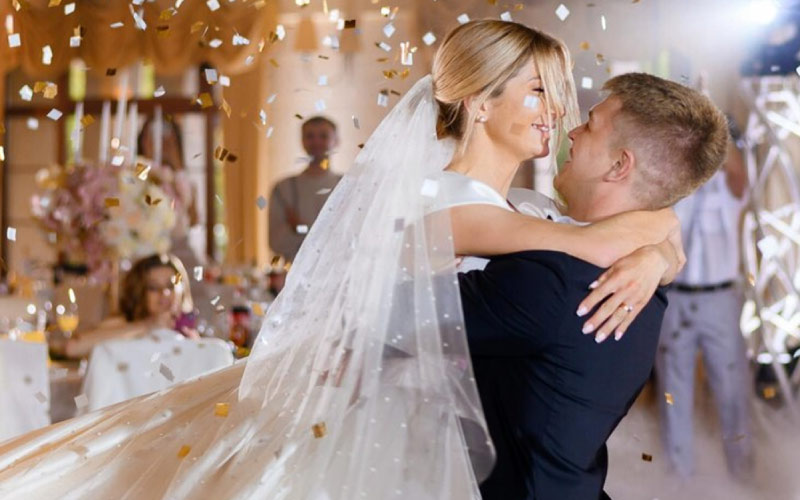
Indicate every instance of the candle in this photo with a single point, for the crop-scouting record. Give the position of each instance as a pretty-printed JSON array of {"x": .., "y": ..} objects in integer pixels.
[
  {"x": 122, "y": 103},
  {"x": 77, "y": 134},
  {"x": 158, "y": 136},
  {"x": 132, "y": 130},
  {"x": 105, "y": 122}
]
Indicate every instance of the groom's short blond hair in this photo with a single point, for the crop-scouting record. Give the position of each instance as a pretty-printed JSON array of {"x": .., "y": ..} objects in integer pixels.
[{"x": 678, "y": 136}]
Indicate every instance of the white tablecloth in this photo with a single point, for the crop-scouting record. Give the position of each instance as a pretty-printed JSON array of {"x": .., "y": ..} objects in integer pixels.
[
  {"x": 24, "y": 387},
  {"x": 124, "y": 369}
]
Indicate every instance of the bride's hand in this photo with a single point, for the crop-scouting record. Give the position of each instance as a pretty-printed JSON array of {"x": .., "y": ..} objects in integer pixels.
[{"x": 626, "y": 287}]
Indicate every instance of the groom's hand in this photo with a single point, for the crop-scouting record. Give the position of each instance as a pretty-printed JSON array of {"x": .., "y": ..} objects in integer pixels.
[{"x": 624, "y": 290}]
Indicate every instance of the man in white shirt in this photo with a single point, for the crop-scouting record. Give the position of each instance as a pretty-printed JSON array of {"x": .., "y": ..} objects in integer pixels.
[
  {"x": 296, "y": 201},
  {"x": 705, "y": 304}
]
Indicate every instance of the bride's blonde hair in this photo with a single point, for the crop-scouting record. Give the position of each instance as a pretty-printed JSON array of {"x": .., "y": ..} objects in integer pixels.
[{"x": 479, "y": 57}]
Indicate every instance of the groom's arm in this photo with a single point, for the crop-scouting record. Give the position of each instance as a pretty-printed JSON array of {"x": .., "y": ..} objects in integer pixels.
[{"x": 514, "y": 306}]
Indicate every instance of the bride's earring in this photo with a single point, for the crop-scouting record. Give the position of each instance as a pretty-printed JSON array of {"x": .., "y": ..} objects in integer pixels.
[{"x": 482, "y": 119}]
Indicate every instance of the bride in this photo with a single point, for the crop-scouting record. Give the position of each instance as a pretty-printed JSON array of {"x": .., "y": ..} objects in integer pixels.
[{"x": 360, "y": 383}]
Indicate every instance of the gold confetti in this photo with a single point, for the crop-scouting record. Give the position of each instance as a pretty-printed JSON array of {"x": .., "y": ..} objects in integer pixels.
[
  {"x": 382, "y": 59},
  {"x": 751, "y": 279},
  {"x": 150, "y": 201},
  {"x": 221, "y": 409},
  {"x": 165, "y": 15},
  {"x": 197, "y": 27},
  {"x": 185, "y": 449},
  {"x": 111, "y": 71},
  {"x": 298, "y": 116},
  {"x": 257, "y": 309},
  {"x": 319, "y": 430},
  {"x": 39, "y": 86},
  {"x": 273, "y": 62},
  {"x": 518, "y": 6},
  {"x": 324, "y": 164},
  {"x": 405, "y": 73},
  {"x": 769, "y": 392},
  {"x": 389, "y": 74},
  {"x": 647, "y": 458},
  {"x": 668, "y": 397},
  {"x": 599, "y": 59},
  {"x": 205, "y": 100},
  {"x": 349, "y": 24},
  {"x": 142, "y": 170},
  {"x": 54, "y": 3},
  {"x": 226, "y": 107},
  {"x": 323, "y": 57},
  {"x": 492, "y": 2},
  {"x": 50, "y": 91},
  {"x": 220, "y": 153},
  {"x": 584, "y": 45},
  {"x": 176, "y": 279},
  {"x": 112, "y": 202},
  {"x": 163, "y": 31}
]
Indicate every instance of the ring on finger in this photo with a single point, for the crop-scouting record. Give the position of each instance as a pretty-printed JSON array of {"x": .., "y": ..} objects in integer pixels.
[{"x": 628, "y": 308}]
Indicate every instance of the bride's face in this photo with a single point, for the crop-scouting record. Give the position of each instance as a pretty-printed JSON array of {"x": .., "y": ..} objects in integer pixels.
[{"x": 517, "y": 119}]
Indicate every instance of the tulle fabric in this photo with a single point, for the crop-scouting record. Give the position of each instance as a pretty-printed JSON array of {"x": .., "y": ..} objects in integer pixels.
[{"x": 359, "y": 385}]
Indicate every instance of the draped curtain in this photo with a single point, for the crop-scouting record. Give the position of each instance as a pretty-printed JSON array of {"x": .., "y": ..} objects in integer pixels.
[{"x": 172, "y": 39}]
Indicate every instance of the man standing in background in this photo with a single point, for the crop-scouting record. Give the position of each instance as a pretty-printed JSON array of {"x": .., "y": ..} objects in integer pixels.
[
  {"x": 705, "y": 305},
  {"x": 296, "y": 201}
]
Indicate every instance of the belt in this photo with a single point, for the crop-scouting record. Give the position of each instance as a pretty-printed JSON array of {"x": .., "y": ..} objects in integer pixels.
[{"x": 679, "y": 287}]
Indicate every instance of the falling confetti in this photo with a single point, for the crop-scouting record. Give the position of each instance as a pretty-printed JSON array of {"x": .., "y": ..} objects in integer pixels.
[
  {"x": 69, "y": 8},
  {"x": 14, "y": 40},
  {"x": 159, "y": 91},
  {"x": 212, "y": 5},
  {"x": 586, "y": 82},
  {"x": 11, "y": 234},
  {"x": 463, "y": 19},
  {"x": 112, "y": 202},
  {"x": 302, "y": 229},
  {"x": 668, "y": 398},
  {"x": 429, "y": 39},
  {"x": 389, "y": 30},
  {"x": 166, "y": 372},
  {"x": 47, "y": 55},
  {"x": 185, "y": 449},
  {"x": 221, "y": 409},
  {"x": 87, "y": 120},
  {"x": 81, "y": 402},
  {"x": 506, "y": 16},
  {"x": 40, "y": 397},
  {"x": 531, "y": 101},
  {"x": 26, "y": 93},
  {"x": 647, "y": 458},
  {"x": 430, "y": 188},
  {"x": 562, "y": 12},
  {"x": 198, "y": 273},
  {"x": 54, "y": 114},
  {"x": 319, "y": 430}
]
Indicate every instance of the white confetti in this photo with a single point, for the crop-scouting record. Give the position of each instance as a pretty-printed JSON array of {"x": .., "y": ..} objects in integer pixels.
[
  {"x": 11, "y": 233},
  {"x": 14, "y": 40},
  {"x": 586, "y": 82},
  {"x": 159, "y": 91},
  {"x": 562, "y": 12},
  {"x": 71, "y": 294},
  {"x": 385, "y": 46},
  {"x": 54, "y": 114},
  {"x": 280, "y": 32},
  {"x": 211, "y": 76},
  {"x": 239, "y": 40},
  {"x": 26, "y": 93},
  {"x": 74, "y": 41},
  {"x": 225, "y": 81},
  {"x": 322, "y": 81},
  {"x": 215, "y": 300},
  {"x": 215, "y": 43},
  {"x": 212, "y": 5},
  {"x": 33, "y": 124},
  {"x": 138, "y": 20},
  {"x": 355, "y": 122},
  {"x": 166, "y": 372},
  {"x": 270, "y": 131},
  {"x": 116, "y": 25},
  {"x": 40, "y": 397},
  {"x": 462, "y": 19},
  {"x": 383, "y": 99},
  {"x": 262, "y": 115},
  {"x": 302, "y": 229},
  {"x": 506, "y": 16},
  {"x": 320, "y": 105},
  {"x": 117, "y": 160},
  {"x": 531, "y": 101},
  {"x": 198, "y": 273},
  {"x": 429, "y": 39},
  {"x": 248, "y": 60},
  {"x": 603, "y": 22},
  {"x": 69, "y": 8},
  {"x": 47, "y": 55},
  {"x": 81, "y": 401},
  {"x": 271, "y": 98},
  {"x": 389, "y": 30},
  {"x": 323, "y": 191},
  {"x": 430, "y": 188},
  {"x": 261, "y": 202}
]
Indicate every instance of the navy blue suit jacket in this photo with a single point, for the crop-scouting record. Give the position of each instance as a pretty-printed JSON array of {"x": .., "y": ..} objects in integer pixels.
[{"x": 551, "y": 395}]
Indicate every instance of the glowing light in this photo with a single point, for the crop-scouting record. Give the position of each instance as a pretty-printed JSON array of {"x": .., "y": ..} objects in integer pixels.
[{"x": 761, "y": 12}]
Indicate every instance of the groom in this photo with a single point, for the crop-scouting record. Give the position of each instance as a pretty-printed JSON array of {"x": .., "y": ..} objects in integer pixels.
[{"x": 551, "y": 395}]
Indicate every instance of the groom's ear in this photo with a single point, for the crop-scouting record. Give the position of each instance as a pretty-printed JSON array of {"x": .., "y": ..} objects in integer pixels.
[{"x": 622, "y": 168}]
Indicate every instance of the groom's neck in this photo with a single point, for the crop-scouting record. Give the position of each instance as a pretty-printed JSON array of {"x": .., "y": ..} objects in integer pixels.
[{"x": 593, "y": 207}]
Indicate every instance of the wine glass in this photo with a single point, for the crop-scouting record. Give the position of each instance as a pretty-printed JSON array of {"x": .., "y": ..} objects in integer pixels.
[{"x": 67, "y": 318}]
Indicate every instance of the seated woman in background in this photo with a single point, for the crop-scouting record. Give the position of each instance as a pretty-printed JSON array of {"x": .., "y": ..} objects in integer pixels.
[{"x": 155, "y": 295}]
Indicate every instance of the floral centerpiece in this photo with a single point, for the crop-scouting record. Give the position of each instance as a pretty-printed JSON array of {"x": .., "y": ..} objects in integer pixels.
[{"x": 98, "y": 214}]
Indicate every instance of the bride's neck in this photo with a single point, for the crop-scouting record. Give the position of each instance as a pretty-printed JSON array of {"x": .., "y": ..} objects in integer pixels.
[{"x": 484, "y": 161}]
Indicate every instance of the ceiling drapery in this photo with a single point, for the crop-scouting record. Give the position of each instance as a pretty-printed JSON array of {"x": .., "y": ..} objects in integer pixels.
[{"x": 172, "y": 38}]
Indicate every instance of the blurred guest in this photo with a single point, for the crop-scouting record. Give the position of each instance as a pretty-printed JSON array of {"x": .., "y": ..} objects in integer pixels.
[
  {"x": 155, "y": 295},
  {"x": 705, "y": 304},
  {"x": 297, "y": 200},
  {"x": 173, "y": 177}
]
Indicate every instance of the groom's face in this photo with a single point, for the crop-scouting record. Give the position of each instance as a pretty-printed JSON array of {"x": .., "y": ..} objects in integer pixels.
[{"x": 591, "y": 154}]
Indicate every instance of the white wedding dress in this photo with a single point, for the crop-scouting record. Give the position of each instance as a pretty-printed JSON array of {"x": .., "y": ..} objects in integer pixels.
[{"x": 359, "y": 385}]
